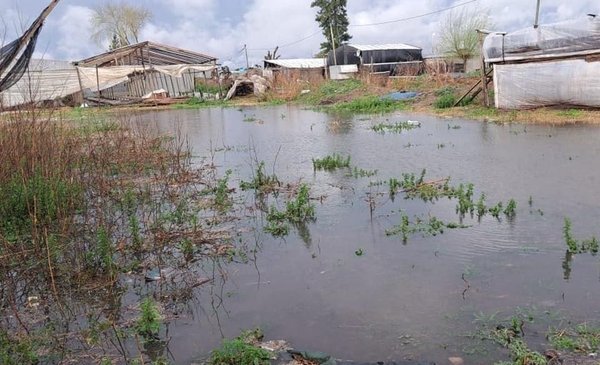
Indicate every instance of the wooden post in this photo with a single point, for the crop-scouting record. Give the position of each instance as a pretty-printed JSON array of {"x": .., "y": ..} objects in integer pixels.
[
  {"x": 484, "y": 81},
  {"x": 80, "y": 85},
  {"x": 98, "y": 83}
]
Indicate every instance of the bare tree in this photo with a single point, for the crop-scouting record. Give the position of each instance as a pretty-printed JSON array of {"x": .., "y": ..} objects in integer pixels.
[
  {"x": 273, "y": 55},
  {"x": 118, "y": 23},
  {"x": 458, "y": 33}
]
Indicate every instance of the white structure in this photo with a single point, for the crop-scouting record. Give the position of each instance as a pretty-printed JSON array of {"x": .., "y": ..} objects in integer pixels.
[{"x": 555, "y": 64}]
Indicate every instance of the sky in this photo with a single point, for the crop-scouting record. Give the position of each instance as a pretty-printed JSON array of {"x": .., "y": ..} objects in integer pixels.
[{"x": 221, "y": 28}]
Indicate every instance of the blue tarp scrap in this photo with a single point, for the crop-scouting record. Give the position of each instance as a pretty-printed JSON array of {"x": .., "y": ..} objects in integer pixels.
[{"x": 400, "y": 95}]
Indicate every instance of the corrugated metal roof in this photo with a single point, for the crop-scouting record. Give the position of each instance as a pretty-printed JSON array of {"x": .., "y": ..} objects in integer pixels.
[
  {"x": 149, "y": 53},
  {"x": 382, "y": 47},
  {"x": 299, "y": 63}
]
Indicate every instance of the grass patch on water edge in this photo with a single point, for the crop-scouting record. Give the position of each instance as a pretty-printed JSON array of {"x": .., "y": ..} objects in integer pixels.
[{"x": 369, "y": 105}]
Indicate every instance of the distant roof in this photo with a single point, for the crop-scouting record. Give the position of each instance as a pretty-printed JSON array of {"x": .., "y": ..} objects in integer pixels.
[
  {"x": 382, "y": 47},
  {"x": 299, "y": 63},
  {"x": 146, "y": 53}
]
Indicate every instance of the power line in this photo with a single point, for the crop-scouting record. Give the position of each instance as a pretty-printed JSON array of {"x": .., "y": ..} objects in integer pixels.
[
  {"x": 372, "y": 24},
  {"x": 414, "y": 17}
]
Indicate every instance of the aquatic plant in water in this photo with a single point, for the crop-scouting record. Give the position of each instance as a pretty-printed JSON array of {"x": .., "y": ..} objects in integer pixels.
[
  {"x": 148, "y": 323},
  {"x": 261, "y": 182},
  {"x": 575, "y": 246},
  {"x": 331, "y": 162},
  {"x": 397, "y": 127},
  {"x": 432, "y": 226},
  {"x": 298, "y": 210}
]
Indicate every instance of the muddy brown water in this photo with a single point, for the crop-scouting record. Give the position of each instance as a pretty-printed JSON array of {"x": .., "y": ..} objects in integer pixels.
[{"x": 398, "y": 301}]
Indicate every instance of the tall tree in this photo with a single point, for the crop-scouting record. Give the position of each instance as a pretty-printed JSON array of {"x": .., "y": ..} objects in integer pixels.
[
  {"x": 458, "y": 33},
  {"x": 118, "y": 20},
  {"x": 333, "y": 20}
]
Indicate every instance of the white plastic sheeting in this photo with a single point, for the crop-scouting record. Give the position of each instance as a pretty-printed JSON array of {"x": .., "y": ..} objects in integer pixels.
[
  {"x": 44, "y": 80},
  {"x": 570, "y": 38},
  {"x": 48, "y": 83},
  {"x": 107, "y": 77},
  {"x": 572, "y": 82}
]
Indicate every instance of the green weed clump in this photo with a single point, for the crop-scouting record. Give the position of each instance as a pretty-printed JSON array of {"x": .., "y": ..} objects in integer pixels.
[
  {"x": 369, "y": 105},
  {"x": 358, "y": 173},
  {"x": 238, "y": 352},
  {"x": 223, "y": 201},
  {"x": 148, "y": 323},
  {"x": 575, "y": 246},
  {"x": 197, "y": 103},
  {"x": 261, "y": 182},
  {"x": 35, "y": 199},
  {"x": 17, "y": 351},
  {"x": 445, "y": 98},
  {"x": 330, "y": 90},
  {"x": 511, "y": 208},
  {"x": 208, "y": 88},
  {"x": 416, "y": 187},
  {"x": 521, "y": 354},
  {"x": 398, "y": 127},
  {"x": 582, "y": 339},
  {"x": 432, "y": 227},
  {"x": 496, "y": 210},
  {"x": 331, "y": 162},
  {"x": 297, "y": 211}
]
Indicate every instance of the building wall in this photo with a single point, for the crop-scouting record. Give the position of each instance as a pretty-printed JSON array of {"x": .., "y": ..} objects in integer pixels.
[
  {"x": 143, "y": 84},
  {"x": 376, "y": 60}
]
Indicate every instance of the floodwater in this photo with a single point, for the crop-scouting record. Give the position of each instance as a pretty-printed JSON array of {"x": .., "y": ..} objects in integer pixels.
[{"x": 397, "y": 301}]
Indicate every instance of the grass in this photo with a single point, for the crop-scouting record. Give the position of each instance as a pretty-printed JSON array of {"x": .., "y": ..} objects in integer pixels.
[
  {"x": 571, "y": 113},
  {"x": 520, "y": 353},
  {"x": 445, "y": 101},
  {"x": 331, "y": 162},
  {"x": 330, "y": 90},
  {"x": 17, "y": 350},
  {"x": 369, "y": 105},
  {"x": 238, "y": 352},
  {"x": 197, "y": 103},
  {"x": 582, "y": 339},
  {"x": 208, "y": 88}
]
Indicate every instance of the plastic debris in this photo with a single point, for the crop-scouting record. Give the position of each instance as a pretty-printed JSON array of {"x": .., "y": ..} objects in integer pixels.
[{"x": 400, "y": 95}]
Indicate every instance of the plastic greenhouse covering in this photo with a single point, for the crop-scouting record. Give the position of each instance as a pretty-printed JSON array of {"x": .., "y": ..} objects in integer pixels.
[
  {"x": 573, "y": 37},
  {"x": 556, "y": 64}
]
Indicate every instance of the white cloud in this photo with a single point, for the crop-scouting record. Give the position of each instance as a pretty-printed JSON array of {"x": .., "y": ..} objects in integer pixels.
[
  {"x": 222, "y": 28},
  {"x": 72, "y": 34},
  {"x": 194, "y": 9}
]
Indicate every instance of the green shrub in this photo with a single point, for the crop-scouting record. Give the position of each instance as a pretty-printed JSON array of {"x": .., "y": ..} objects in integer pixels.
[
  {"x": 446, "y": 100},
  {"x": 238, "y": 352},
  {"x": 148, "y": 323},
  {"x": 39, "y": 199}
]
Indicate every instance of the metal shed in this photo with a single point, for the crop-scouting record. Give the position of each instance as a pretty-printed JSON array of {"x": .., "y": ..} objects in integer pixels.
[
  {"x": 137, "y": 70},
  {"x": 377, "y": 58},
  {"x": 304, "y": 68}
]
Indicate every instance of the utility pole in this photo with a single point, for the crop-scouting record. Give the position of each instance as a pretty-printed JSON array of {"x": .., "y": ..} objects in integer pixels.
[
  {"x": 537, "y": 15},
  {"x": 332, "y": 43},
  {"x": 246, "y": 51}
]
